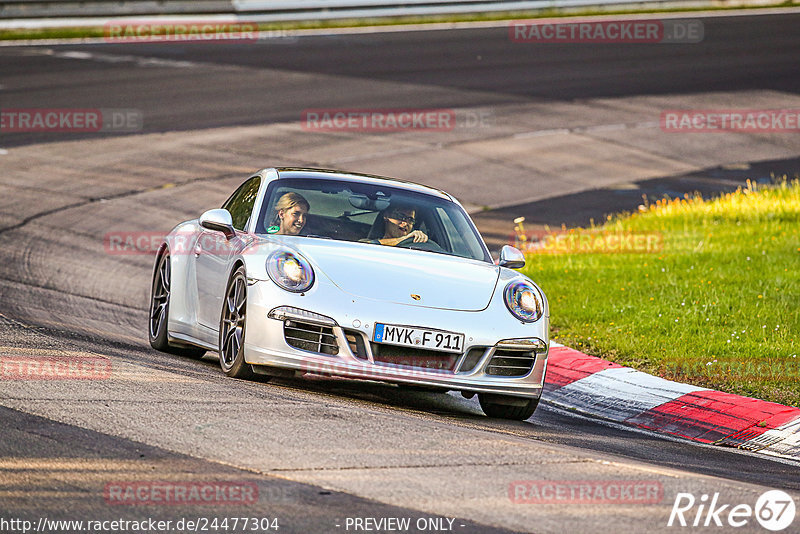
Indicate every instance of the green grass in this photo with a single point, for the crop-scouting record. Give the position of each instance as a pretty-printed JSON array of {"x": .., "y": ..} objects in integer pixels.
[
  {"x": 98, "y": 31},
  {"x": 717, "y": 306}
]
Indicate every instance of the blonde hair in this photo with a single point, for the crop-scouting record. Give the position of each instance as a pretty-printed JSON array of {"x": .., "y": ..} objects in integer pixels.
[{"x": 289, "y": 200}]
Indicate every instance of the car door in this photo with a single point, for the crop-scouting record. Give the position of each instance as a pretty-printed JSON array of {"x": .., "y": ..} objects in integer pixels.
[{"x": 214, "y": 252}]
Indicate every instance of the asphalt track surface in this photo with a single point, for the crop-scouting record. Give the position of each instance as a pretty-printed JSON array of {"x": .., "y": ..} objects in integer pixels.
[
  {"x": 448, "y": 69},
  {"x": 319, "y": 451}
]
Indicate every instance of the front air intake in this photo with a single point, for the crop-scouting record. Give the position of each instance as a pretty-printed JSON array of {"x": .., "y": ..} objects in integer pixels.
[
  {"x": 507, "y": 362},
  {"x": 310, "y": 337}
]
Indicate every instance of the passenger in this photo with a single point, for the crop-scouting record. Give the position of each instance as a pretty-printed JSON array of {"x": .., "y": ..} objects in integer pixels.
[
  {"x": 290, "y": 215},
  {"x": 399, "y": 220}
]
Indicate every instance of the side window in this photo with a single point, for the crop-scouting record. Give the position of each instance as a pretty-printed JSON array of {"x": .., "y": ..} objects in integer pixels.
[{"x": 241, "y": 203}]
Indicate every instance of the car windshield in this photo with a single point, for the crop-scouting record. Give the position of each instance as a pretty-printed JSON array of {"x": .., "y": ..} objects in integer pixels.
[{"x": 369, "y": 213}]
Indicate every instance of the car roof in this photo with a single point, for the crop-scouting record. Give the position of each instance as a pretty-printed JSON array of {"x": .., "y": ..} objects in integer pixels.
[{"x": 331, "y": 174}]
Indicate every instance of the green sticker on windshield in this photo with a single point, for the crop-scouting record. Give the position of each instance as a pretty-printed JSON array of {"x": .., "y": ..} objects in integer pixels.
[{"x": 273, "y": 229}]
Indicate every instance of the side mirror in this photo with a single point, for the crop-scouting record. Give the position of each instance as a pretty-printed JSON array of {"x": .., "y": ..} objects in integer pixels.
[
  {"x": 218, "y": 220},
  {"x": 511, "y": 257}
]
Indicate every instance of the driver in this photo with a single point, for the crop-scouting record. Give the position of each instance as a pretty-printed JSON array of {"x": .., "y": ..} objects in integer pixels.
[{"x": 399, "y": 220}]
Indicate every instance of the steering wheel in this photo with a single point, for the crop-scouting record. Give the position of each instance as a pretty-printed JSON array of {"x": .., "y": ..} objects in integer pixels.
[{"x": 426, "y": 245}]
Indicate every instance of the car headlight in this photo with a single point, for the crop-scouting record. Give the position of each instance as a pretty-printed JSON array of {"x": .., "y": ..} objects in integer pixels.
[
  {"x": 524, "y": 301},
  {"x": 290, "y": 271}
]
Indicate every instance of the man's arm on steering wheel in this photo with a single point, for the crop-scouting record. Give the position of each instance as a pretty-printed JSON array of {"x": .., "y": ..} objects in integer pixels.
[{"x": 417, "y": 236}]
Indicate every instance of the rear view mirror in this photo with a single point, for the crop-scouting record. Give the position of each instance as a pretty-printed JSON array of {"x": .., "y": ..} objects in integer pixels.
[{"x": 363, "y": 202}]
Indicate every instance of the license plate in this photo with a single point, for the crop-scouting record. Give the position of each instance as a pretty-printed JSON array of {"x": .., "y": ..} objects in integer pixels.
[{"x": 419, "y": 338}]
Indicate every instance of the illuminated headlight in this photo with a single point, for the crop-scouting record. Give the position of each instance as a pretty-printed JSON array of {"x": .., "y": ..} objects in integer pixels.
[
  {"x": 290, "y": 271},
  {"x": 524, "y": 301}
]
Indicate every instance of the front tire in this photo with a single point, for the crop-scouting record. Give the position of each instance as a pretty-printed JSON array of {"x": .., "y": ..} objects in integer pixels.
[
  {"x": 507, "y": 407},
  {"x": 159, "y": 311},
  {"x": 232, "y": 328}
]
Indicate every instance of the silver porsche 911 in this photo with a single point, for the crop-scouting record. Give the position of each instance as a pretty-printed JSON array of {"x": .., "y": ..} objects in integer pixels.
[{"x": 308, "y": 271}]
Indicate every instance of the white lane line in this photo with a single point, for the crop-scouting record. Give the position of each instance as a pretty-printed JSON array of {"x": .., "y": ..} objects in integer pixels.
[
  {"x": 141, "y": 61},
  {"x": 381, "y": 154},
  {"x": 587, "y": 129},
  {"x": 542, "y": 133},
  {"x": 608, "y": 127},
  {"x": 73, "y": 55}
]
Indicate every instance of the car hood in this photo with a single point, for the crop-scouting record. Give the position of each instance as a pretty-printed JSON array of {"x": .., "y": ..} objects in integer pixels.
[{"x": 392, "y": 274}]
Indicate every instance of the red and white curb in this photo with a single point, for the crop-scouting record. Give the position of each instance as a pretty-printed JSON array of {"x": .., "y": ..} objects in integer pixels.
[{"x": 593, "y": 386}]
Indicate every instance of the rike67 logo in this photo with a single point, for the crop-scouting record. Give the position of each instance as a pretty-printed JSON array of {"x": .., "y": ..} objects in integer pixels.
[{"x": 774, "y": 510}]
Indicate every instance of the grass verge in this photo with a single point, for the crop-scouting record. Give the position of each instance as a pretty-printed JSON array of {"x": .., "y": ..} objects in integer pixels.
[{"x": 715, "y": 301}]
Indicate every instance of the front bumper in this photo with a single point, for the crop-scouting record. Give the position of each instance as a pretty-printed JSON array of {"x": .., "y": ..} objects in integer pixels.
[{"x": 265, "y": 342}]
